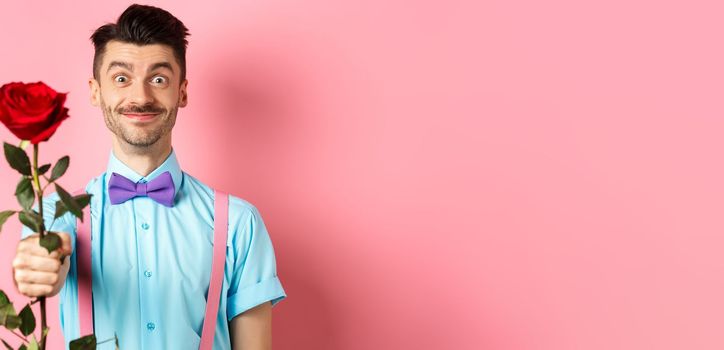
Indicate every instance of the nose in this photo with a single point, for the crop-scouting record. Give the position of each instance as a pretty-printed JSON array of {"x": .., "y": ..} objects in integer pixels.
[{"x": 140, "y": 94}]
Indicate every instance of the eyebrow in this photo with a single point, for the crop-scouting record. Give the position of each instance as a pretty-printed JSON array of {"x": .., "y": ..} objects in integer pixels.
[{"x": 129, "y": 66}]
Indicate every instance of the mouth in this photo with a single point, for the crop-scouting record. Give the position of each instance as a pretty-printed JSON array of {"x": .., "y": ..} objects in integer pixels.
[{"x": 141, "y": 116}]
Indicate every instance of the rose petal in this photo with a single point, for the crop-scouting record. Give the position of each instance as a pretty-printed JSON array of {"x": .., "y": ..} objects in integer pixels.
[
  {"x": 48, "y": 132},
  {"x": 32, "y": 111}
]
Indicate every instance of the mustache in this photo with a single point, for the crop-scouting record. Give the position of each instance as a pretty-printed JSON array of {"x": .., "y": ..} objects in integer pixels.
[{"x": 141, "y": 109}]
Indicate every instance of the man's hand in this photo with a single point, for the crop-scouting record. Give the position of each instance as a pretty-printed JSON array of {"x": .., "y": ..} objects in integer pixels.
[{"x": 38, "y": 273}]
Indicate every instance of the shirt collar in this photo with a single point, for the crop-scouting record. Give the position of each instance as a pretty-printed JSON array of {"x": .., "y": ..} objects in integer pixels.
[{"x": 170, "y": 164}]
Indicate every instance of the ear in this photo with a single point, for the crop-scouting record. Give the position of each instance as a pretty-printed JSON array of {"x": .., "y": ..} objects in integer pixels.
[
  {"x": 95, "y": 92},
  {"x": 183, "y": 96}
]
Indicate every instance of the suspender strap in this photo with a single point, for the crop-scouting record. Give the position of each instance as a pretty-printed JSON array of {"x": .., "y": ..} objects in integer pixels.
[
  {"x": 83, "y": 263},
  {"x": 85, "y": 295},
  {"x": 221, "y": 220}
]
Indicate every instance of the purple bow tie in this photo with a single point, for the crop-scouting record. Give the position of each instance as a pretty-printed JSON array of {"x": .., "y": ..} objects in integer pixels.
[{"x": 161, "y": 189}]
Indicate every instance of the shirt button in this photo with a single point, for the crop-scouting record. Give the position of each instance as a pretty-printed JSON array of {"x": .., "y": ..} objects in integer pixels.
[
  {"x": 150, "y": 326},
  {"x": 145, "y": 226},
  {"x": 148, "y": 273}
]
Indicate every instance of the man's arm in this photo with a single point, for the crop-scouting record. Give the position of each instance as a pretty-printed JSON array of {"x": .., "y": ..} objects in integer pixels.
[{"x": 252, "y": 329}]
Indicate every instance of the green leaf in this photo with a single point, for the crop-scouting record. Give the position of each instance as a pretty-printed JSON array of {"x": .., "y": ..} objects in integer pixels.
[
  {"x": 50, "y": 241},
  {"x": 59, "y": 169},
  {"x": 23, "y": 347},
  {"x": 23, "y": 184},
  {"x": 69, "y": 202},
  {"x": 82, "y": 200},
  {"x": 28, "y": 325},
  {"x": 17, "y": 158},
  {"x": 31, "y": 220},
  {"x": 4, "y": 216},
  {"x": 87, "y": 342},
  {"x": 7, "y": 311},
  {"x": 43, "y": 169},
  {"x": 7, "y": 346},
  {"x": 12, "y": 322},
  {"x": 8, "y": 317},
  {"x": 25, "y": 194},
  {"x": 4, "y": 299},
  {"x": 33, "y": 345},
  {"x": 60, "y": 209}
]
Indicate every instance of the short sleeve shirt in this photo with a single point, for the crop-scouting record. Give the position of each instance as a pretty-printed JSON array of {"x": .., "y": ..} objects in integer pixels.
[{"x": 151, "y": 264}]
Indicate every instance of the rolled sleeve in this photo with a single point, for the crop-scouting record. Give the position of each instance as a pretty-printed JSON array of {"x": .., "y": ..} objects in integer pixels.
[
  {"x": 254, "y": 279},
  {"x": 268, "y": 290}
]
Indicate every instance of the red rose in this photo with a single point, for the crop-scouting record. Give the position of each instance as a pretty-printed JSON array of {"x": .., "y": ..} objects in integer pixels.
[{"x": 32, "y": 111}]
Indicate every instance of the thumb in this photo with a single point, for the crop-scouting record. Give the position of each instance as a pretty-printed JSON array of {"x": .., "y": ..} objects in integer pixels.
[{"x": 66, "y": 248}]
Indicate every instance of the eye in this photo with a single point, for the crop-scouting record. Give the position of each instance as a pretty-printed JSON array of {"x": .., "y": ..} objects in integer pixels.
[
  {"x": 159, "y": 80},
  {"x": 120, "y": 79}
]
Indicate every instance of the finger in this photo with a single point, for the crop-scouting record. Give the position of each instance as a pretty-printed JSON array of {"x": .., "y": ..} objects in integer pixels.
[
  {"x": 36, "y": 263},
  {"x": 33, "y": 247},
  {"x": 36, "y": 277},
  {"x": 28, "y": 243},
  {"x": 34, "y": 290}
]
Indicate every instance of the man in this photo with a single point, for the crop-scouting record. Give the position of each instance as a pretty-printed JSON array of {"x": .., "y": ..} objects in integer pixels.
[{"x": 152, "y": 260}]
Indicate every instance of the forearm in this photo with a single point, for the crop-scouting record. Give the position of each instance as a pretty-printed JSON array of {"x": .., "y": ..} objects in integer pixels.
[{"x": 252, "y": 330}]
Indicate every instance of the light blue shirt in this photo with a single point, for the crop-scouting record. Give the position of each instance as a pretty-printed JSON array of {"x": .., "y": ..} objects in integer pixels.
[{"x": 152, "y": 264}]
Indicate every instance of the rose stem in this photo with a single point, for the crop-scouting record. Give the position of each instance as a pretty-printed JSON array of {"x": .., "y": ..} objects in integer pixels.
[{"x": 36, "y": 178}]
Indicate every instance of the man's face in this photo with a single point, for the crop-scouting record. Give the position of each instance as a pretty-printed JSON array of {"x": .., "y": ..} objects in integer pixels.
[{"x": 139, "y": 91}]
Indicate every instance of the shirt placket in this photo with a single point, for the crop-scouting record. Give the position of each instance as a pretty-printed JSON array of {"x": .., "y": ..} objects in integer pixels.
[{"x": 146, "y": 272}]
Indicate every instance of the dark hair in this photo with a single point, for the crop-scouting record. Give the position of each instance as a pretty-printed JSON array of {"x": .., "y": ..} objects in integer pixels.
[{"x": 142, "y": 25}]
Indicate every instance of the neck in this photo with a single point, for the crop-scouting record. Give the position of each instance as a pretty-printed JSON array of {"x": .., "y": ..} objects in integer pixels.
[{"x": 143, "y": 160}]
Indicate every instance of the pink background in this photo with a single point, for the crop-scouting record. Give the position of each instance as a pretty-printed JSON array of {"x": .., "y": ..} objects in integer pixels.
[{"x": 440, "y": 175}]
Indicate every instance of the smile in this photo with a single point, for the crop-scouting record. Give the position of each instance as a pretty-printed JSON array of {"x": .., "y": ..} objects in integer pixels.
[{"x": 141, "y": 117}]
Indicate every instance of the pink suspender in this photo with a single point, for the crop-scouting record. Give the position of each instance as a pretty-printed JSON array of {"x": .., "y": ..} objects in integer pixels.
[
  {"x": 85, "y": 296},
  {"x": 221, "y": 210},
  {"x": 83, "y": 263}
]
